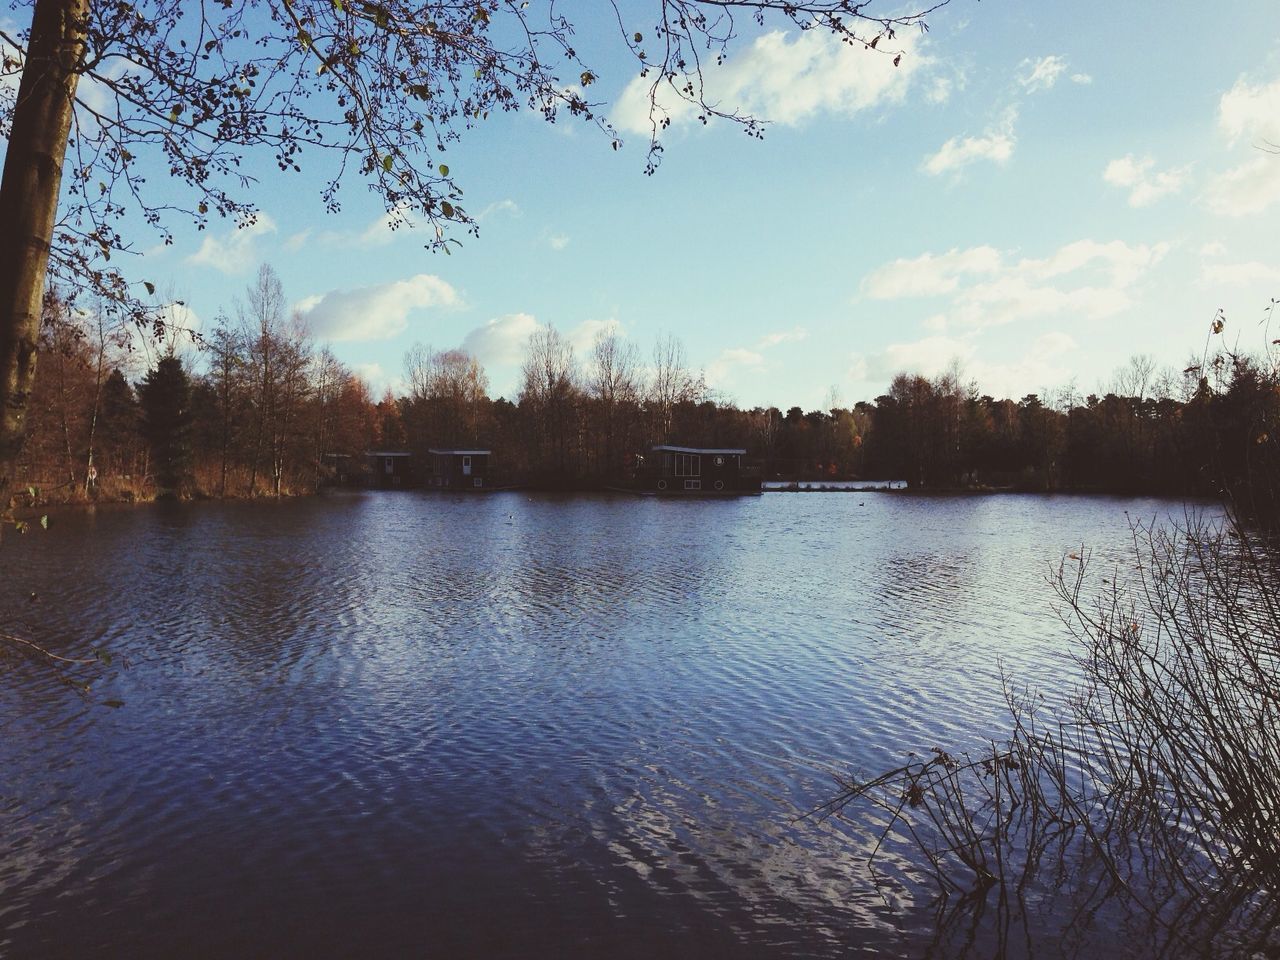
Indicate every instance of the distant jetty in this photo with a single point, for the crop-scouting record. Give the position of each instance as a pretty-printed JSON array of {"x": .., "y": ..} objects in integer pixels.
[{"x": 831, "y": 486}]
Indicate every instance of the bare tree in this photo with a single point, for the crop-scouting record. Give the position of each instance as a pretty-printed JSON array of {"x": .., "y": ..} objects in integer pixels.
[
  {"x": 1154, "y": 786},
  {"x": 766, "y": 425},
  {"x": 671, "y": 384},
  {"x": 1135, "y": 378},
  {"x": 614, "y": 384},
  {"x": 291, "y": 390},
  {"x": 328, "y": 380},
  {"x": 227, "y": 368},
  {"x": 447, "y": 393},
  {"x": 462, "y": 387},
  {"x": 550, "y": 395},
  {"x": 381, "y": 88},
  {"x": 262, "y": 320}
]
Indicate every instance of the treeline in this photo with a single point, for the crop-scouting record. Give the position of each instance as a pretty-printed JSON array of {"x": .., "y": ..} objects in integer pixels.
[
  {"x": 1219, "y": 437},
  {"x": 255, "y": 408},
  {"x": 246, "y": 410}
]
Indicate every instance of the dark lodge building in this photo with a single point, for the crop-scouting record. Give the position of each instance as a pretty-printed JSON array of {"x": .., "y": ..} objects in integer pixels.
[
  {"x": 389, "y": 468},
  {"x": 678, "y": 471},
  {"x": 459, "y": 469}
]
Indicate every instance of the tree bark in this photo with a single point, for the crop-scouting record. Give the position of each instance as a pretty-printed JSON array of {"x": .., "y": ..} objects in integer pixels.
[{"x": 29, "y": 189}]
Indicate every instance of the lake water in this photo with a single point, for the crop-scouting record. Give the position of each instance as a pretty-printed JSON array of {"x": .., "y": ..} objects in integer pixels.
[{"x": 512, "y": 725}]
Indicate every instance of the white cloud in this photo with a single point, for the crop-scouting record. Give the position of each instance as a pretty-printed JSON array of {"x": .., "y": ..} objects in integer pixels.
[
  {"x": 1052, "y": 343},
  {"x": 379, "y": 381},
  {"x": 995, "y": 145},
  {"x": 928, "y": 356},
  {"x": 99, "y": 97},
  {"x": 374, "y": 313},
  {"x": 786, "y": 78},
  {"x": 1042, "y": 74},
  {"x": 558, "y": 241},
  {"x": 1248, "y": 188},
  {"x": 988, "y": 288},
  {"x": 1238, "y": 274},
  {"x": 1013, "y": 298},
  {"x": 939, "y": 91},
  {"x": 237, "y": 251},
  {"x": 1125, "y": 263},
  {"x": 929, "y": 275},
  {"x": 1083, "y": 79},
  {"x": 730, "y": 361},
  {"x": 794, "y": 335},
  {"x": 1252, "y": 112},
  {"x": 1145, "y": 184},
  {"x": 508, "y": 206},
  {"x": 1042, "y": 364},
  {"x": 501, "y": 342},
  {"x": 382, "y": 230},
  {"x": 1249, "y": 118},
  {"x": 735, "y": 360},
  {"x": 858, "y": 370},
  {"x": 298, "y": 240},
  {"x": 180, "y": 323},
  {"x": 742, "y": 357},
  {"x": 583, "y": 337},
  {"x": 1215, "y": 248},
  {"x": 960, "y": 152}
]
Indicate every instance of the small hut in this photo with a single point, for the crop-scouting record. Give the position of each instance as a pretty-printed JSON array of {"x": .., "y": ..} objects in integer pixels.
[
  {"x": 389, "y": 468},
  {"x": 337, "y": 468},
  {"x": 459, "y": 469}
]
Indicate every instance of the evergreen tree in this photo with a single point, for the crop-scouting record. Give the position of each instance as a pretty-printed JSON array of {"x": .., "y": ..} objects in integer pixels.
[
  {"x": 118, "y": 423},
  {"x": 165, "y": 397}
]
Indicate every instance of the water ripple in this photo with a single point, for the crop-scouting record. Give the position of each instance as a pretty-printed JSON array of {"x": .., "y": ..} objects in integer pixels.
[{"x": 377, "y": 723}]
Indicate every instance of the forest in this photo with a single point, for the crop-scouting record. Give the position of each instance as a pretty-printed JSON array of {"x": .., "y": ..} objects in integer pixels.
[{"x": 255, "y": 408}]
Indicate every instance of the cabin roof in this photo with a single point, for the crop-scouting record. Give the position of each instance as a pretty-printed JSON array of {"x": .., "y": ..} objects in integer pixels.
[
  {"x": 460, "y": 453},
  {"x": 387, "y": 453},
  {"x": 665, "y": 447}
]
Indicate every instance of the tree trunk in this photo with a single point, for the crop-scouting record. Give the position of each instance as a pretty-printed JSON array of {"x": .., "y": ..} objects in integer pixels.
[
  {"x": 64, "y": 413},
  {"x": 90, "y": 469},
  {"x": 29, "y": 191}
]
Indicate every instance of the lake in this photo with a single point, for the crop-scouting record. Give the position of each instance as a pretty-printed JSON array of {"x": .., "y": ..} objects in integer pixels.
[{"x": 513, "y": 725}]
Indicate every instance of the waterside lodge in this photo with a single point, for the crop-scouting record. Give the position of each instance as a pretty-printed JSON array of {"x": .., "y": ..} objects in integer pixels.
[
  {"x": 389, "y": 468},
  {"x": 459, "y": 469},
  {"x": 696, "y": 471}
]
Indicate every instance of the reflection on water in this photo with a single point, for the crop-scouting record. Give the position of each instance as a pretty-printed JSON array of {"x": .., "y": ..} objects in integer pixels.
[{"x": 502, "y": 725}]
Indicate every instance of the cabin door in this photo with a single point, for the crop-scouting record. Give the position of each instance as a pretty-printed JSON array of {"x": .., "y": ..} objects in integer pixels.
[{"x": 466, "y": 466}]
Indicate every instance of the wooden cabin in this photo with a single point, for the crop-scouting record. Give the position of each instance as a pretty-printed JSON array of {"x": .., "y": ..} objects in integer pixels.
[
  {"x": 338, "y": 469},
  {"x": 706, "y": 471},
  {"x": 389, "y": 468},
  {"x": 459, "y": 469}
]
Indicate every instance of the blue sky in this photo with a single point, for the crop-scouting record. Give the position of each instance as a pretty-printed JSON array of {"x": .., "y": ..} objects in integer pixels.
[{"x": 1040, "y": 190}]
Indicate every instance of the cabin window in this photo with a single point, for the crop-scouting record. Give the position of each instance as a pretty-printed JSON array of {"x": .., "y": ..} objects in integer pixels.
[
  {"x": 719, "y": 461},
  {"x": 391, "y": 468},
  {"x": 693, "y": 484},
  {"x": 466, "y": 463},
  {"x": 688, "y": 465}
]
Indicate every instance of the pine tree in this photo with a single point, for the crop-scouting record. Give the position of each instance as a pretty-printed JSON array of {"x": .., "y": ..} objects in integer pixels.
[
  {"x": 165, "y": 397},
  {"x": 118, "y": 426}
]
